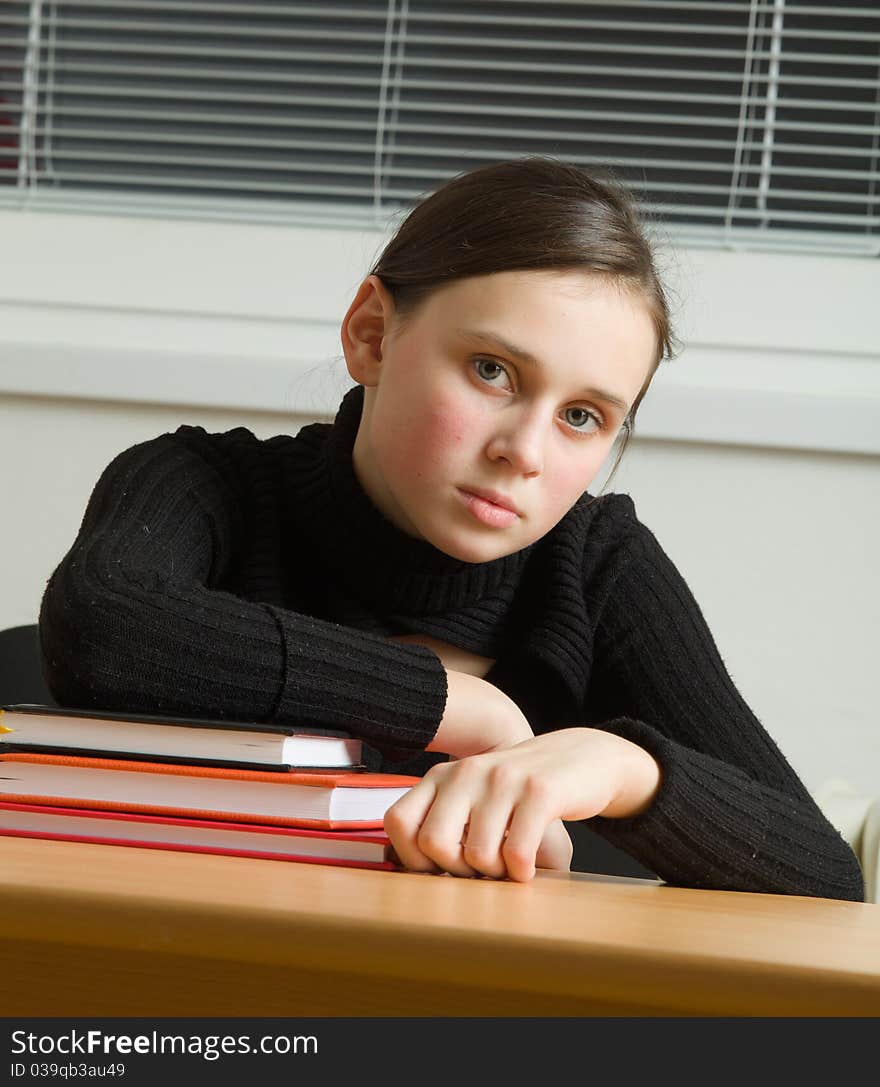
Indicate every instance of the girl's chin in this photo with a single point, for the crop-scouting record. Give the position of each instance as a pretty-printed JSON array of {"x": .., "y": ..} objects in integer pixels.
[{"x": 473, "y": 551}]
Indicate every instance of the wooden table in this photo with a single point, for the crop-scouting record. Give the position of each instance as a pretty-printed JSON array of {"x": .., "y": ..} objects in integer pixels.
[{"x": 103, "y": 930}]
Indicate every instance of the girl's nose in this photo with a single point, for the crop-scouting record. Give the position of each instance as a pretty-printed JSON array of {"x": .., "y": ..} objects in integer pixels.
[{"x": 520, "y": 440}]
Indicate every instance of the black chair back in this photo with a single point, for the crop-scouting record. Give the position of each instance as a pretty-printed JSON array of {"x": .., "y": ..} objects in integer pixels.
[{"x": 21, "y": 676}]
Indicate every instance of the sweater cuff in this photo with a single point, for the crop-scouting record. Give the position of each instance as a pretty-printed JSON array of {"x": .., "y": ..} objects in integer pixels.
[
  {"x": 390, "y": 694},
  {"x": 672, "y": 837}
]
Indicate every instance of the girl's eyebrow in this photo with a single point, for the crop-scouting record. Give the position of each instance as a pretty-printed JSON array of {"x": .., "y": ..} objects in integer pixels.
[{"x": 521, "y": 355}]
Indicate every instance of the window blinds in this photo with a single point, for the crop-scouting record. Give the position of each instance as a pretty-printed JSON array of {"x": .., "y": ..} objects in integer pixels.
[{"x": 752, "y": 124}]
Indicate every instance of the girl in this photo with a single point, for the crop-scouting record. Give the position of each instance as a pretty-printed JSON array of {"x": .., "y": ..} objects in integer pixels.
[{"x": 431, "y": 573}]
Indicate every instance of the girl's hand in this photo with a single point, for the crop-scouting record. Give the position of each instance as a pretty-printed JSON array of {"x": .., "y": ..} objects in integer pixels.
[{"x": 488, "y": 814}]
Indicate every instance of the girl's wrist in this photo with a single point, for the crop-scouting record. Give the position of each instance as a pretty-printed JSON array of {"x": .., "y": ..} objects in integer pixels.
[{"x": 638, "y": 782}]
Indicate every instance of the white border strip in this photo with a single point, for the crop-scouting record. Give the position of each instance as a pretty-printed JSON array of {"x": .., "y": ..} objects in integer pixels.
[{"x": 781, "y": 350}]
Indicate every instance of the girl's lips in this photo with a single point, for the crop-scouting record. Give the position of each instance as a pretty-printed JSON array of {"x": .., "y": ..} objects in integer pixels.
[{"x": 487, "y": 512}]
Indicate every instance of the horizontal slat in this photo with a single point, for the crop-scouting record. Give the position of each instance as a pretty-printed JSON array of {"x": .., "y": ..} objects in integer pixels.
[
  {"x": 263, "y": 56},
  {"x": 114, "y": 93},
  {"x": 606, "y": 24},
  {"x": 195, "y": 207},
  {"x": 628, "y": 48},
  {"x": 208, "y": 117},
  {"x": 149, "y": 180},
  {"x": 775, "y": 170},
  {"x": 468, "y": 131},
  {"x": 538, "y": 136},
  {"x": 634, "y": 26},
  {"x": 190, "y": 77},
  {"x": 656, "y": 140},
  {"x": 626, "y": 117},
  {"x": 807, "y": 196},
  {"x": 764, "y": 6},
  {"x": 258, "y": 9},
  {"x": 410, "y": 195},
  {"x": 438, "y": 152},
  {"x": 257, "y": 75},
  {"x": 863, "y": 222},
  {"x": 234, "y": 33},
  {"x": 653, "y": 119},
  {"x": 260, "y": 56},
  {"x": 221, "y": 6},
  {"x": 415, "y": 17},
  {"x": 319, "y": 166},
  {"x": 644, "y": 162},
  {"x": 99, "y": 90},
  {"x": 249, "y": 164},
  {"x": 223, "y": 141}
]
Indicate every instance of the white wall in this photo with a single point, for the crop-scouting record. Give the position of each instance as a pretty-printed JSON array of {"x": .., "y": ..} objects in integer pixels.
[
  {"x": 780, "y": 549},
  {"x": 757, "y": 468}
]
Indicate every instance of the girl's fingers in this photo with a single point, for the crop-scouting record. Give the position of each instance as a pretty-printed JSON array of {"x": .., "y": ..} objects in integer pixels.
[
  {"x": 555, "y": 850},
  {"x": 527, "y": 828},
  {"x": 444, "y": 828},
  {"x": 476, "y": 818},
  {"x": 484, "y": 843},
  {"x": 427, "y": 826},
  {"x": 402, "y": 823}
]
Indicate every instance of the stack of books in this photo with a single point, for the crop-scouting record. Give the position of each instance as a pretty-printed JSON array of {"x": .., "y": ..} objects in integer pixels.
[{"x": 208, "y": 786}]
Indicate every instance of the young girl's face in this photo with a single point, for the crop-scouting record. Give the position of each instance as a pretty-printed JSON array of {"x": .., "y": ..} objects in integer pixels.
[{"x": 489, "y": 412}]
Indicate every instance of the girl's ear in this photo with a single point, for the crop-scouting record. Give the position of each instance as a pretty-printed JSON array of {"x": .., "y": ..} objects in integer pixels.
[{"x": 364, "y": 328}]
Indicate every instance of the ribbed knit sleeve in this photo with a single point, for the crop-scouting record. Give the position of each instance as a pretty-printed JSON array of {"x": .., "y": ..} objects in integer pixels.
[
  {"x": 137, "y": 616},
  {"x": 730, "y": 813}
]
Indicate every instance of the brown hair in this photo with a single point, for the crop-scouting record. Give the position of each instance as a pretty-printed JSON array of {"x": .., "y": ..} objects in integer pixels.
[{"x": 530, "y": 213}]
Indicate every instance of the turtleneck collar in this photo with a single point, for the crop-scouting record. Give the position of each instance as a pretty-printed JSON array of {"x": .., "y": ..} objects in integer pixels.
[{"x": 380, "y": 564}]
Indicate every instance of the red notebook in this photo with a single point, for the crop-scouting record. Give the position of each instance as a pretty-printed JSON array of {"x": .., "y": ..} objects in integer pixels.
[
  {"x": 350, "y": 848},
  {"x": 330, "y": 801}
]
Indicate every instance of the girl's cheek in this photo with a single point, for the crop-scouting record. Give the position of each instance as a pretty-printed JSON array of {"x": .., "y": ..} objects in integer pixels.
[
  {"x": 417, "y": 446},
  {"x": 445, "y": 429},
  {"x": 571, "y": 477}
]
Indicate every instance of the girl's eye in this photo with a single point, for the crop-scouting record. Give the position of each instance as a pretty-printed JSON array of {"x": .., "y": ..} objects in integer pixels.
[
  {"x": 585, "y": 422},
  {"x": 491, "y": 371}
]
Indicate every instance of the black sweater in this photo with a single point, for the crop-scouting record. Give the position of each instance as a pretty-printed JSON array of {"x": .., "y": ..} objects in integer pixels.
[{"x": 221, "y": 575}]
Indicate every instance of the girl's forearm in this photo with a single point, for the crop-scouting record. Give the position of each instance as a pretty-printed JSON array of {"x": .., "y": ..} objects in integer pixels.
[{"x": 478, "y": 717}]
